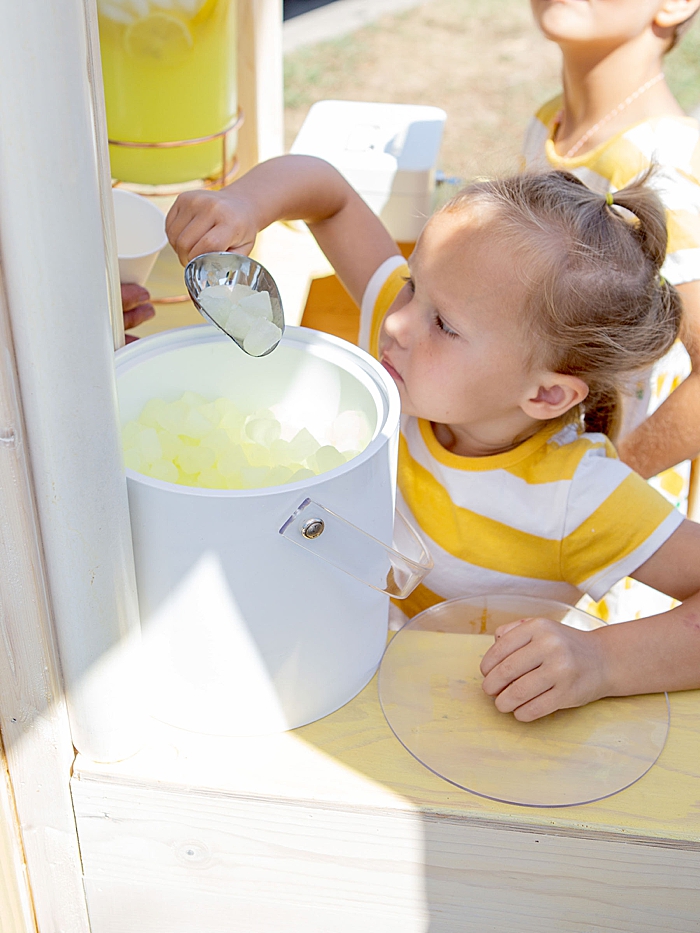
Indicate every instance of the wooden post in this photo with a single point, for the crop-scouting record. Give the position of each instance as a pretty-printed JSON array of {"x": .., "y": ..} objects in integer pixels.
[
  {"x": 53, "y": 258},
  {"x": 260, "y": 81},
  {"x": 104, "y": 175},
  {"x": 33, "y": 718},
  {"x": 15, "y": 899}
]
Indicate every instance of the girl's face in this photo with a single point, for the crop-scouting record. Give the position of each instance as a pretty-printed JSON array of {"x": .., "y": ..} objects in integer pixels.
[
  {"x": 453, "y": 339},
  {"x": 609, "y": 21}
]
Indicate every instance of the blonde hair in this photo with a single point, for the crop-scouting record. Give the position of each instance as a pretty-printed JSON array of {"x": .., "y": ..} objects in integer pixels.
[{"x": 596, "y": 305}]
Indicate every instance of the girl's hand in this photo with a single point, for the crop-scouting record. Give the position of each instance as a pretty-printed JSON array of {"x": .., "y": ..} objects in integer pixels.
[
  {"x": 537, "y": 666},
  {"x": 210, "y": 221}
]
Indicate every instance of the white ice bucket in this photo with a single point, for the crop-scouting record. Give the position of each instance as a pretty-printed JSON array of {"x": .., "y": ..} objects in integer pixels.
[{"x": 253, "y": 622}]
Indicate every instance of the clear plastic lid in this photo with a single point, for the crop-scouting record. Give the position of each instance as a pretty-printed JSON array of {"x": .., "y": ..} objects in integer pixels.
[{"x": 430, "y": 692}]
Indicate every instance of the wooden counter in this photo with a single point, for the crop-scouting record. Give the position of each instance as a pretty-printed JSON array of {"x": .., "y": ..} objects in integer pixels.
[{"x": 335, "y": 828}]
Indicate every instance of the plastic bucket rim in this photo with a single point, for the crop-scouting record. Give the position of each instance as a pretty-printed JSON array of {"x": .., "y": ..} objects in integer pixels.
[{"x": 127, "y": 357}]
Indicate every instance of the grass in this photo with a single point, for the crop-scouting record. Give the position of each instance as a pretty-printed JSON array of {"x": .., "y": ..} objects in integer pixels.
[
  {"x": 683, "y": 69},
  {"x": 482, "y": 61}
]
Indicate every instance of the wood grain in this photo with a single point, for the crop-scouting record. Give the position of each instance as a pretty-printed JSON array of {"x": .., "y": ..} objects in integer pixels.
[
  {"x": 167, "y": 861},
  {"x": 33, "y": 718},
  {"x": 16, "y": 914},
  {"x": 336, "y": 827}
]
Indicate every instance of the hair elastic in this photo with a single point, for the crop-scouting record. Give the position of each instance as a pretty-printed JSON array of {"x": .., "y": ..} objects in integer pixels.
[
  {"x": 662, "y": 281},
  {"x": 609, "y": 199}
]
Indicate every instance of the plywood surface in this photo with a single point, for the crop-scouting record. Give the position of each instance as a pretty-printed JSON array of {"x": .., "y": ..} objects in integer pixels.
[
  {"x": 352, "y": 761},
  {"x": 335, "y": 827}
]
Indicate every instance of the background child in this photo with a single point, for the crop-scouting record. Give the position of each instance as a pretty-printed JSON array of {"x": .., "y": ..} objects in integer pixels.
[
  {"x": 616, "y": 116},
  {"x": 525, "y": 306}
]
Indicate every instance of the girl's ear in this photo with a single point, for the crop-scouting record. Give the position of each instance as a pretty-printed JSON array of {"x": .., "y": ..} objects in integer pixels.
[
  {"x": 675, "y": 12},
  {"x": 556, "y": 394}
]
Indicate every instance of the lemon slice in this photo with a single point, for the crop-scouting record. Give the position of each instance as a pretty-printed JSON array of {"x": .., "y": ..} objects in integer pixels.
[{"x": 160, "y": 37}]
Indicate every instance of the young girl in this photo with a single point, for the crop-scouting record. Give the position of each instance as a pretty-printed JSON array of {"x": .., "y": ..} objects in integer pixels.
[
  {"x": 616, "y": 116},
  {"x": 526, "y": 305}
]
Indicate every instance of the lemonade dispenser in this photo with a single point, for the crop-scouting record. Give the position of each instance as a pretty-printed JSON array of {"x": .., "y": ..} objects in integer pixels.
[{"x": 170, "y": 81}]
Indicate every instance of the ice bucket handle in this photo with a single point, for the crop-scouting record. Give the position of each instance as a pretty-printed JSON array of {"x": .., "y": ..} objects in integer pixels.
[{"x": 345, "y": 546}]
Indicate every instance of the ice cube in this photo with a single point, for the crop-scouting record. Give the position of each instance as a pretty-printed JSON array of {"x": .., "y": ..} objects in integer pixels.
[
  {"x": 328, "y": 458},
  {"x": 257, "y": 455},
  {"x": 211, "y": 479},
  {"x": 258, "y": 305},
  {"x": 140, "y": 7},
  {"x": 303, "y": 445},
  {"x": 238, "y": 322},
  {"x": 188, "y": 7},
  {"x": 193, "y": 399},
  {"x": 301, "y": 475},
  {"x": 186, "y": 479},
  {"x": 278, "y": 476},
  {"x": 226, "y": 408},
  {"x": 262, "y": 336},
  {"x": 263, "y": 431},
  {"x": 172, "y": 418},
  {"x": 149, "y": 445},
  {"x": 195, "y": 459},
  {"x": 162, "y": 469},
  {"x": 211, "y": 412},
  {"x": 133, "y": 460},
  {"x": 217, "y": 301},
  {"x": 280, "y": 453},
  {"x": 130, "y": 434},
  {"x": 219, "y": 441},
  {"x": 235, "y": 481},
  {"x": 151, "y": 412},
  {"x": 115, "y": 11},
  {"x": 170, "y": 444},
  {"x": 231, "y": 462},
  {"x": 254, "y": 476},
  {"x": 239, "y": 291},
  {"x": 197, "y": 425}
]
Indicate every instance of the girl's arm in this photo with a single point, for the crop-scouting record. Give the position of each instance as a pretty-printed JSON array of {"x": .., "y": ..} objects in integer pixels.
[
  {"x": 537, "y": 666},
  {"x": 288, "y": 188},
  {"x": 672, "y": 433}
]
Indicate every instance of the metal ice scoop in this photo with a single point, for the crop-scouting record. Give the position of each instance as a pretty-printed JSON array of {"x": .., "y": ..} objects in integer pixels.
[{"x": 230, "y": 269}]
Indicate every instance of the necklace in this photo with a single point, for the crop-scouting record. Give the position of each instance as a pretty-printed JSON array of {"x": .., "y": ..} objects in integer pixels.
[{"x": 606, "y": 119}]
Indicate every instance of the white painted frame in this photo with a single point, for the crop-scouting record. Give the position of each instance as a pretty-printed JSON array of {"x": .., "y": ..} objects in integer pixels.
[
  {"x": 33, "y": 716},
  {"x": 52, "y": 236}
]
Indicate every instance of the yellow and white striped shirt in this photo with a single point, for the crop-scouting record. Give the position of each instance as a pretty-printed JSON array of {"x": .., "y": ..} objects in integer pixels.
[
  {"x": 671, "y": 143},
  {"x": 557, "y": 516}
]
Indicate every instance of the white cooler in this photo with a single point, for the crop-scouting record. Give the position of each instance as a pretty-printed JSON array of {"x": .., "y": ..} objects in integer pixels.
[{"x": 252, "y": 622}]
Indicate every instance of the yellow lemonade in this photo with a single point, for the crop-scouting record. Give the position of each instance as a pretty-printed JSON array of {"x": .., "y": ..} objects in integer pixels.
[{"x": 170, "y": 73}]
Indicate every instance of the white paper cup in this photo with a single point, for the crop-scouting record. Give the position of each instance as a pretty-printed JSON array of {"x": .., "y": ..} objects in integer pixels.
[{"x": 140, "y": 235}]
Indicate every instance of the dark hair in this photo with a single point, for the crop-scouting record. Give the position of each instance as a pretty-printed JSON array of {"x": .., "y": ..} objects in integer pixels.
[{"x": 596, "y": 306}]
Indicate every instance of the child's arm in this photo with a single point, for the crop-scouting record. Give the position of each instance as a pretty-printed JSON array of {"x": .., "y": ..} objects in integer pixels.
[
  {"x": 672, "y": 433},
  {"x": 537, "y": 666},
  {"x": 288, "y": 188}
]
